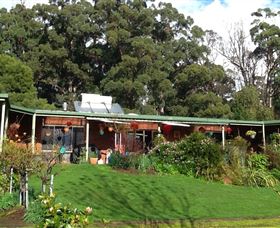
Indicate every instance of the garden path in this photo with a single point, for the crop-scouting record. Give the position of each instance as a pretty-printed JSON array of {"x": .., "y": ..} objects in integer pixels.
[{"x": 13, "y": 218}]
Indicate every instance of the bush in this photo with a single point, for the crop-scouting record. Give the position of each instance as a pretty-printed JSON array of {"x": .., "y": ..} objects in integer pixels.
[
  {"x": 257, "y": 174},
  {"x": 47, "y": 213},
  {"x": 275, "y": 173},
  {"x": 8, "y": 201},
  {"x": 119, "y": 161},
  {"x": 194, "y": 155},
  {"x": 4, "y": 183},
  {"x": 139, "y": 162},
  {"x": 35, "y": 212}
]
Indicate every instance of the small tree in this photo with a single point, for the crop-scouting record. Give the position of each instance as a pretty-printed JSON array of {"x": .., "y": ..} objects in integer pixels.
[
  {"x": 21, "y": 159},
  {"x": 48, "y": 161}
]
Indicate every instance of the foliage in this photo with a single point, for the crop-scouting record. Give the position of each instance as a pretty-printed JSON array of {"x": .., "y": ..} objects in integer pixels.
[
  {"x": 21, "y": 159},
  {"x": 273, "y": 151},
  {"x": 275, "y": 138},
  {"x": 140, "y": 162},
  {"x": 118, "y": 160},
  {"x": 46, "y": 163},
  {"x": 264, "y": 34},
  {"x": 4, "y": 182},
  {"x": 207, "y": 105},
  {"x": 195, "y": 154},
  {"x": 246, "y": 105},
  {"x": 235, "y": 160},
  {"x": 250, "y": 133},
  {"x": 257, "y": 174},
  {"x": 49, "y": 213},
  {"x": 150, "y": 53},
  {"x": 16, "y": 79},
  {"x": 35, "y": 212},
  {"x": 159, "y": 140},
  {"x": 8, "y": 201}
]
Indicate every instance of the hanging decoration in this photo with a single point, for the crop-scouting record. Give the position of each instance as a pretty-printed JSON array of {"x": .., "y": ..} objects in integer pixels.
[
  {"x": 202, "y": 129},
  {"x": 134, "y": 125},
  {"x": 101, "y": 129},
  {"x": 166, "y": 128},
  {"x": 110, "y": 128},
  {"x": 229, "y": 130},
  {"x": 48, "y": 133},
  {"x": 69, "y": 123}
]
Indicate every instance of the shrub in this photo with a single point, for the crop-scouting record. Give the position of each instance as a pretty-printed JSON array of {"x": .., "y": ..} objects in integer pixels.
[
  {"x": 35, "y": 212},
  {"x": 260, "y": 178},
  {"x": 4, "y": 183},
  {"x": 194, "y": 155},
  {"x": 119, "y": 161},
  {"x": 8, "y": 201},
  {"x": 47, "y": 213},
  {"x": 139, "y": 162},
  {"x": 145, "y": 164},
  {"x": 257, "y": 174},
  {"x": 275, "y": 173}
]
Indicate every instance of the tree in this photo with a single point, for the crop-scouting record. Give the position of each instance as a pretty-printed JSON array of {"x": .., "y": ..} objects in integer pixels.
[
  {"x": 266, "y": 37},
  {"x": 20, "y": 158},
  {"x": 239, "y": 54},
  {"x": 246, "y": 105},
  {"x": 16, "y": 79},
  {"x": 208, "y": 105},
  {"x": 125, "y": 49}
]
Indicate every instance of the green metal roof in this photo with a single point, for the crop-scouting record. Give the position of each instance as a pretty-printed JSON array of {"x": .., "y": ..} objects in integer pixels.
[
  {"x": 4, "y": 95},
  {"x": 272, "y": 122},
  {"x": 189, "y": 120}
]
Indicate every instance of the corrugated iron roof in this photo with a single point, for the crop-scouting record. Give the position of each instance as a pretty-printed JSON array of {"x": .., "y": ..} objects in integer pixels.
[{"x": 182, "y": 119}]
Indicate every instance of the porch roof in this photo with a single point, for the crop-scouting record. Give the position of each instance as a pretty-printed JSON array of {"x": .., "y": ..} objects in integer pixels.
[{"x": 137, "y": 117}]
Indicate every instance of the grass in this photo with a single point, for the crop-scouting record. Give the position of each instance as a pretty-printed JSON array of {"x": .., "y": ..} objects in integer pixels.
[{"x": 116, "y": 196}]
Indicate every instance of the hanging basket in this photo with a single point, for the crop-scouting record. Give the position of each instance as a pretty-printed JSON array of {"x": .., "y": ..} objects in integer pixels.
[
  {"x": 134, "y": 125},
  {"x": 229, "y": 130},
  {"x": 166, "y": 128},
  {"x": 252, "y": 136}
]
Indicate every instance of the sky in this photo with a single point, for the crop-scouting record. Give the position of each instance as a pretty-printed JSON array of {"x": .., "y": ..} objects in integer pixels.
[{"x": 217, "y": 15}]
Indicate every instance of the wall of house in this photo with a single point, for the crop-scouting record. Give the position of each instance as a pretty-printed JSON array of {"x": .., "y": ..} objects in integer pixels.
[{"x": 177, "y": 133}]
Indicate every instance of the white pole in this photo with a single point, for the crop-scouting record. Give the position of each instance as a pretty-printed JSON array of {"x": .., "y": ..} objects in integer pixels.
[
  {"x": 51, "y": 185},
  {"x": 87, "y": 140},
  {"x": 2, "y": 125},
  {"x": 6, "y": 123},
  {"x": 120, "y": 138},
  {"x": 263, "y": 133},
  {"x": 144, "y": 139},
  {"x": 26, "y": 190},
  {"x": 223, "y": 137},
  {"x": 33, "y": 133},
  {"x": 11, "y": 180},
  {"x": 115, "y": 141}
]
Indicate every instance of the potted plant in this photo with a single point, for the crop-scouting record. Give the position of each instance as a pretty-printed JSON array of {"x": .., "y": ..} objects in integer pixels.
[
  {"x": 251, "y": 133},
  {"x": 93, "y": 157}
]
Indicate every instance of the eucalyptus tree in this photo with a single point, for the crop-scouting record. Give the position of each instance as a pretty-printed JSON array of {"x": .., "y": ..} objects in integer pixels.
[{"x": 265, "y": 35}]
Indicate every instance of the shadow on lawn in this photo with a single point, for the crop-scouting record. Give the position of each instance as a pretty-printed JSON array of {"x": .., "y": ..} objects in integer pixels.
[{"x": 119, "y": 198}]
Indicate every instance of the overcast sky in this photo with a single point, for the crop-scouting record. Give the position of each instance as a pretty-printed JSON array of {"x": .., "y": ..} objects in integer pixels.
[{"x": 218, "y": 15}]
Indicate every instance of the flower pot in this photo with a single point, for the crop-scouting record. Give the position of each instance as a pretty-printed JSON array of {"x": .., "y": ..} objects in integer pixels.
[
  {"x": 93, "y": 161},
  {"x": 252, "y": 136}
]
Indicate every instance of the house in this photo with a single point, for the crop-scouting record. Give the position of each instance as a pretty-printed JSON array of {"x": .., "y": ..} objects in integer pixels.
[{"x": 103, "y": 128}]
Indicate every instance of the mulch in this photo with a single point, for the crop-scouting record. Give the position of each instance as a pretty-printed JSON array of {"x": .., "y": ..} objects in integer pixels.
[{"x": 13, "y": 218}]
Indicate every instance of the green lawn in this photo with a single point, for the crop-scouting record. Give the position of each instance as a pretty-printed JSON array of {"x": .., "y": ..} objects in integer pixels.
[{"x": 121, "y": 196}]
